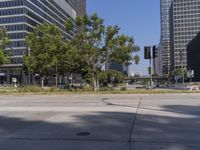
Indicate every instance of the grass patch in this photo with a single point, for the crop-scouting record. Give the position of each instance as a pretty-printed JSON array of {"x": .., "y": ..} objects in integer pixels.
[{"x": 85, "y": 90}]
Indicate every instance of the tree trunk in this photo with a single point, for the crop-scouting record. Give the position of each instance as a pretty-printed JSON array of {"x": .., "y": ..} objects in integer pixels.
[
  {"x": 94, "y": 79},
  {"x": 56, "y": 80},
  {"x": 97, "y": 85},
  {"x": 56, "y": 76},
  {"x": 94, "y": 83},
  {"x": 42, "y": 82},
  {"x": 60, "y": 79}
]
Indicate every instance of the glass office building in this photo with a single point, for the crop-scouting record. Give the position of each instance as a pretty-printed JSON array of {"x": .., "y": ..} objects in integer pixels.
[
  {"x": 19, "y": 17},
  {"x": 78, "y": 5},
  {"x": 184, "y": 26},
  {"x": 165, "y": 35}
]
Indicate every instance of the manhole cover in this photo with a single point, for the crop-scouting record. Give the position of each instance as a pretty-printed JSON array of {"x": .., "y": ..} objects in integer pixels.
[
  {"x": 83, "y": 134},
  {"x": 105, "y": 99}
]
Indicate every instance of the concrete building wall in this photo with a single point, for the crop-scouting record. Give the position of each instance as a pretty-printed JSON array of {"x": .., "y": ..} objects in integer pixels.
[
  {"x": 65, "y": 6},
  {"x": 193, "y": 57},
  {"x": 185, "y": 24},
  {"x": 157, "y": 62}
]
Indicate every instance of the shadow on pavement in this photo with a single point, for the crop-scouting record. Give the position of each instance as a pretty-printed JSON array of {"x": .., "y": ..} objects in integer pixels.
[{"x": 177, "y": 130}]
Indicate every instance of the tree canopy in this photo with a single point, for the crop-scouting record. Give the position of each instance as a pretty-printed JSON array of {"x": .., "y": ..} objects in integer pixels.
[
  {"x": 45, "y": 45},
  {"x": 98, "y": 45},
  {"x": 86, "y": 53},
  {"x": 179, "y": 72},
  {"x": 4, "y": 43}
]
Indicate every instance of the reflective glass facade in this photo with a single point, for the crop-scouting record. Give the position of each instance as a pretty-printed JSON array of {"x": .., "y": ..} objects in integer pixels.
[
  {"x": 165, "y": 35},
  {"x": 19, "y": 17},
  {"x": 78, "y": 5}
]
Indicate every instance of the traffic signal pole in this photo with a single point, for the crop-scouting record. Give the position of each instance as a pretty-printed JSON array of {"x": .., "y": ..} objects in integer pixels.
[
  {"x": 182, "y": 67},
  {"x": 150, "y": 53},
  {"x": 151, "y": 79}
]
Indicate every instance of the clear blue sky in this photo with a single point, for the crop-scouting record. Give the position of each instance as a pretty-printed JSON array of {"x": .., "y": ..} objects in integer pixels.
[{"x": 137, "y": 18}]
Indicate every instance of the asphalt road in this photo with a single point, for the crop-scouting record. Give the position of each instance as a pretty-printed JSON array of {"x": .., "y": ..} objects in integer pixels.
[{"x": 100, "y": 122}]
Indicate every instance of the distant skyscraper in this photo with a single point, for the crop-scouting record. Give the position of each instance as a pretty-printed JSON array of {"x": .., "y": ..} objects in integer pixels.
[
  {"x": 157, "y": 62},
  {"x": 19, "y": 17},
  {"x": 184, "y": 26},
  {"x": 165, "y": 35},
  {"x": 114, "y": 66}
]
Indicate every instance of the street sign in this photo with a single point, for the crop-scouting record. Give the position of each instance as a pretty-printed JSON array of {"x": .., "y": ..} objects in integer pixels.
[
  {"x": 14, "y": 80},
  {"x": 37, "y": 75},
  {"x": 2, "y": 74},
  {"x": 190, "y": 73}
]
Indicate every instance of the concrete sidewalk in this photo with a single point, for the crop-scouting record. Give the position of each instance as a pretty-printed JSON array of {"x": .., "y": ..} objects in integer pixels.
[{"x": 100, "y": 122}]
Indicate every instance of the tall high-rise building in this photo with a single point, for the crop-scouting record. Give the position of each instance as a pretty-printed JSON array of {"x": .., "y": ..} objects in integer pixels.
[
  {"x": 165, "y": 35},
  {"x": 78, "y": 5},
  {"x": 157, "y": 62},
  {"x": 184, "y": 26},
  {"x": 19, "y": 17},
  {"x": 193, "y": 57}
]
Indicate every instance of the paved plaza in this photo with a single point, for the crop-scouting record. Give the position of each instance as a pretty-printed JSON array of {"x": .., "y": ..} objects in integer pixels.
[{"x": 100, "y": 122}]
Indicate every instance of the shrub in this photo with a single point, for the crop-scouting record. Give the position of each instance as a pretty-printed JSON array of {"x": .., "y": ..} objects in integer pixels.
[
  {"x": 106, "y": 89},
  {"x": 123, "y": 88}
]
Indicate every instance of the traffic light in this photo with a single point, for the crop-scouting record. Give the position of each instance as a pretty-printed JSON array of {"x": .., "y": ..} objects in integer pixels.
[
  {"x": 147, "y": 52},
  {"x": 155, "y": 51}
]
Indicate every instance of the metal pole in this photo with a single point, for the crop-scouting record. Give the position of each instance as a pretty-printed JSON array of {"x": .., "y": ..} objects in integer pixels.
[
  {"x": 183, "y": 73},
  {"x": 29, "y": 75},
  {"x": 56, "y": 76},
  {"x": 190, "y": 77},
  {"x": 151, "y": 80}
]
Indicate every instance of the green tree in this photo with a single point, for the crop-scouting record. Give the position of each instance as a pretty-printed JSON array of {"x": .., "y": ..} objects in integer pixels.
[
  {"x": 103, "y": 78},
  {"x": 4, "y": 43},
  {"x": 179, "y": 72},
  {"x": 136, "y": 59},
  {"x": 98, "y": 45},
  {"x": 110, "y": 76},
  {"x": 45, "y": 44},
  {"x": 115, "y": 76},
  {"x": 69, "y": 60}
]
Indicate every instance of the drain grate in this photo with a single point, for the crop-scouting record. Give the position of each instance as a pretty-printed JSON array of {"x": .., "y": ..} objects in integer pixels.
[{"x": 83, "y": 134}]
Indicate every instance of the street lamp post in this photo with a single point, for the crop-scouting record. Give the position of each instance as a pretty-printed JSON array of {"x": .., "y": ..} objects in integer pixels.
[{"x": 150, "y": 53}]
